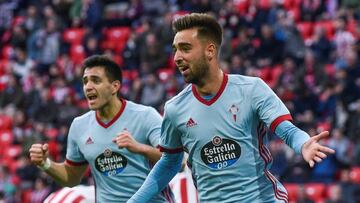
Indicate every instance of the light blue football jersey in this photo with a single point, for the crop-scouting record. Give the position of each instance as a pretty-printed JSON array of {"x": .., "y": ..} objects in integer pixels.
[
  {"x": 118, "y": 173},
  {"x": 225, "y": 138}
]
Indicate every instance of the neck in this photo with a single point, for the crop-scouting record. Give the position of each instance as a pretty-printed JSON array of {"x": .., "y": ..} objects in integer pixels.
[
  {"x": 211, "y": 84},
  {"x": 110, "y": 110}
]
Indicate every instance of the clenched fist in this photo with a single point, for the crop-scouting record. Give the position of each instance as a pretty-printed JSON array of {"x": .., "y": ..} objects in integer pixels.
[{"x": 39, "y": 153}]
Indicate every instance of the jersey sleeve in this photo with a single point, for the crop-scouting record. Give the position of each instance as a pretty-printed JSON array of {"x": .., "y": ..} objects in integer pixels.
[
  {"x": 170, "y": 139},
  {"x": 154, "y": 127},
  {"x": 73, "y": 153},
  {"x": 268, "y": 105}
]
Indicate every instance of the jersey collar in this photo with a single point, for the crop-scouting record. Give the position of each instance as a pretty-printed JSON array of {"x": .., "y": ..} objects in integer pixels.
[
  {"x": 218, "y": 94},
  {"x": 106, "y": 125}
]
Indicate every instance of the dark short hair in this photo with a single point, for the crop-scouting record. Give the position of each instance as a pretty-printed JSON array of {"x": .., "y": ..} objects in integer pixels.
[
  {"x": 207, "y": 26},
  {"x": 112, "y": 69}
]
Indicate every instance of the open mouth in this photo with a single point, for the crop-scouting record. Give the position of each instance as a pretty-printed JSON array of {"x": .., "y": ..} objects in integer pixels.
[
  {"x": 183, "y": 68},
  {"x": 91, "y": 97}
]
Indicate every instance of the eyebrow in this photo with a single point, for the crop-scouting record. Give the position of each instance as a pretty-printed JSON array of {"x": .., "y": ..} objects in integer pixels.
[{"x": 182, "y": 44}]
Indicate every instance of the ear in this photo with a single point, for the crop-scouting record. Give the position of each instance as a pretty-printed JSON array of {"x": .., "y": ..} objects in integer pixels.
[
  {"x": 210, "y": 51},
  {"x": 116, "y": 85}
]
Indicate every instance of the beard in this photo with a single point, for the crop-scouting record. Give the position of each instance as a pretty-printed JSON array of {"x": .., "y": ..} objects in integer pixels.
[{"x": 199, "y": 71}]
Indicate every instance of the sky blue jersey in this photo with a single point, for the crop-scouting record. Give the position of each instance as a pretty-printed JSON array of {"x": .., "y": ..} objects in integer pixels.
[
  {"x": 225, "y": 138},
  {"x": 118, "y": 173}
]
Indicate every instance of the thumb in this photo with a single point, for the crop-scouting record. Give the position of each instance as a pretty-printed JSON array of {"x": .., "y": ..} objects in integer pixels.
[
  {"x": 321, "y": 135},
  {"x": 45, "y": 148}
]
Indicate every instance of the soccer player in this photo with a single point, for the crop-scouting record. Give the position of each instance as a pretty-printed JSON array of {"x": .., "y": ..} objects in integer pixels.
[
  {"x": 116, "y": 138},
  {"x": 220, "y": 120}
]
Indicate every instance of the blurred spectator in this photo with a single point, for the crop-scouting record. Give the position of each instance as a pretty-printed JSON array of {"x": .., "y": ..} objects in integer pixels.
[
  {"x": 335, "y": 195},
  {"x": 27, "y": 172},
  {"x": 46, "y": 46},
  {"x": 32, "y": 19},
  {"x": 152, "y": 55},
  {"x": 22, "y": 64},
  {"x": 68, "y": 111},
  {"x": 46, "y": 104},
  {"x": 89, "y": 12},
  {"x": 40, "y": 192},
  {"x": 343, "y": 147},
  {"x": 130, "y": 54},
  {"x": 153, "y": 92},
  {"x": 91, "y": 45},
  {"x": 302, "y": 197},
  {"x": 6, "y": 15},
  {"x": 344, "y": 42},
  {"x": 311, "y": 9},
  {"x": 18, "y": 36},
  {"x": 270, "y": 50},
  {"x": 6, "y": 185},
  {"x": 320, "y": 44},
  {"x": 12, "y": 94},
  {"x": 350, "y": 192},
  {"x": 279, "y": 164}
]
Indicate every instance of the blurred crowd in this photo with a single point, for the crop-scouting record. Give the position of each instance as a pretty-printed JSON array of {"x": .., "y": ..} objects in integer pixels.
[{"x": 306, "y": 50}]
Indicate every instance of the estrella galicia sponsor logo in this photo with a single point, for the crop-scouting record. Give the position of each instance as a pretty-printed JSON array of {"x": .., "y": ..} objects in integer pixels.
[
  {"x": 110, "y": 163},
  {"x": 220, "y": 153}
]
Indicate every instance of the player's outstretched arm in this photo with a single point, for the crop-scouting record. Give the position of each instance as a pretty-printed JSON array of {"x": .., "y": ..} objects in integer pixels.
[
  {"x": 62, "y": 173},
  {"x": 162, "y": 173},
  {"x": 312, "y": 151},
  {"x": 125, "y": 139}
]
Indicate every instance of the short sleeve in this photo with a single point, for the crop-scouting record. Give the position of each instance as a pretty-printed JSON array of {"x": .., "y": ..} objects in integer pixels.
[
  {"x": 73, "y": 153},
  {"x": 170, "y": 139},
  {"x": 268, "y": 105},
  {"x": 153, "y": 123}
]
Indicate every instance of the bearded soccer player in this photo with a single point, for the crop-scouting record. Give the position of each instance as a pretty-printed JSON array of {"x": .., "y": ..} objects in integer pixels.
[
  {"x": 116, "y": 138},
  {"x": 220, "y": 120}
]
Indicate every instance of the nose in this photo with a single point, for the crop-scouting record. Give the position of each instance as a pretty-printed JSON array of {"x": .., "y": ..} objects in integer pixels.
[
  {"x": 87, "y": 86},
  {"x": 178, "y": 58}
]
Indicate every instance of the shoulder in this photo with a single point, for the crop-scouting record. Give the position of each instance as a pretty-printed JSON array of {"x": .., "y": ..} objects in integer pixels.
[
  {"x": 242, "y": 80},
  {"x": 85, "y": 117},
  {"x": 179, "y": 99},
  {"x": 139, "y": 108}
]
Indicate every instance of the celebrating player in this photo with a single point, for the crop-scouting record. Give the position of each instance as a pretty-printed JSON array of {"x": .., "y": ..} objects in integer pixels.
[
  {"x": 116, "y": 139},
  {"x": 220, "y": 120}
]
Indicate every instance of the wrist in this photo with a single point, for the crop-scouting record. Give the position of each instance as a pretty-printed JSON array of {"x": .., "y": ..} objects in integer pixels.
[{"x": 46, "y": 165}]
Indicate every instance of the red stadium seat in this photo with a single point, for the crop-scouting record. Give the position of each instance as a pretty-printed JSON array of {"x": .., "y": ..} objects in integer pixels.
[
  {"x": 13, "y": 151},
  {"x": 6, "y": 138},
  {"x": 116, "y": 38},
  {"x": 5, "y": 122},
  {"x": 292, "y": 189},
  {"x": 315, "y": 191},
  {"x": 74, "y": 35},
  {"x": 242, "y": 6},
  {"x": 18, "y": 20},
  {"x": 6, "y": 52},
  {"x": 355, "y": 175},
  {"x": 306, "y": 29},
  {"x": 77, "y": 53},
  {"x": 165, "y": 73},
  {"x": 329, "y": 28}
]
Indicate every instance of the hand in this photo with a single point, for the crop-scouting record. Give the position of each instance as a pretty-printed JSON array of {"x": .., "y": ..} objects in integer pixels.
[
  {"x": 313, "y": 151},
  {"x": 39, "y": 153},
  {"x": 125, "y": 139}
]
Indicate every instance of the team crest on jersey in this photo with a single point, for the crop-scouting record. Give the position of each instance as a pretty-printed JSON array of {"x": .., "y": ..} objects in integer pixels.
[
  {"x": 234, "y": 110},
  {"x": 220, "y": 153},
  {"x": 110, "y": 163}
]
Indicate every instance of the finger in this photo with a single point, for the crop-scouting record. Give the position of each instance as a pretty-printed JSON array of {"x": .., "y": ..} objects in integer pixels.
[
  {"x": 321, "y": 155},
  {"x": 45, "y": 147},
  {"x": 35, "y": 150},
  {"x": 321, "y": 135},
  {"x": 311, "y": 163},
  {"x": 326, "y": 150},
  {"x": 317, "y": 159}
]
